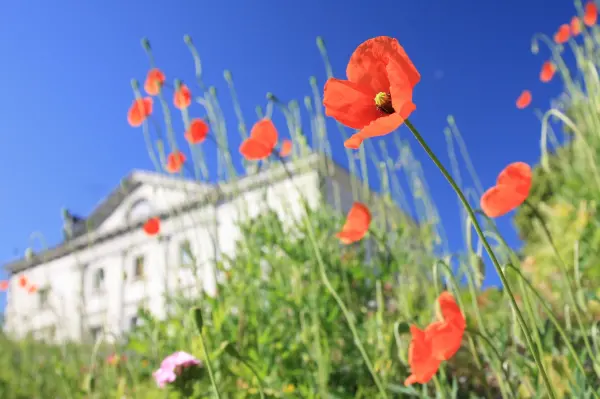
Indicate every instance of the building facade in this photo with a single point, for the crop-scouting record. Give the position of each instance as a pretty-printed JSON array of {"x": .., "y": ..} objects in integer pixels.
[{"x": 96, "y": 280}]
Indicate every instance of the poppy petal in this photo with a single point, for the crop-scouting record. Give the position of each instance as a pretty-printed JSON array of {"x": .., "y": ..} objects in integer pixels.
[
  {"x": 422, "y": 364},
  {"x": 349, "y": 103},
  {"x": 175, "y": 162},
  {"x": 356, "y": 225},
  {"x": 446, "y": 340},
  {"x": 450, "y": 310},
  {"x": 379, "y": 127},
  {"x": 152, "y": 226},
  {"x": 182, "y": 98},
  {"x": 254, "y": 150},
  {"x": 563, "y": 34},
  {"x": 590, "y": 16},
  {"x": 401, "y": 90},
  {"x": 547, "y": 72},
  {"x": 286, "y": 148},
  {"x": 140, "y": 109},
  {"x": 197, "y": 131},
  {"x": 499, "y": 200},
  {"x": 517, "y": 175},
  {"x": 524, "y": 99},
  {"x": 575, "y": 26},
  {"x": 3, "y": 285},
  {"x": 23, "y": 281},
  {"x": 265, "y": 132},
  {"x": 154, "y": 81},
  {"x": 367, "y": 65}
]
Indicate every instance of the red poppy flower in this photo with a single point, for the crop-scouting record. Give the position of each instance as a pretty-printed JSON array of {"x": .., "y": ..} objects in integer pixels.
[
  {"x": 32, "y": 289},
  {"x": 563, "y": 34},
  {"x": 154, "y": 81},
  {"x": 357, "y": 224},
  {"x": 447, "y": 333},
  {"x": 377, "y": 97},
  {"x": 152, "y": 226},
  {"x": 262, "y": 141},
  {"x": 197, "y": 131},
  {"x": 591, "y": 14},
  {"x": 423, "y": 364},
  {"x": 139, "y": 111},
  {"x": 510, "y": 191},
  {"x": 286, "y": 148},
  {"x": 182, "y": 97},
  {"x": 3, "y": 285},
  {"x": 575, "y": 26},
  {"x": 547, "y": 72},
  {"x": 23, "y": 281},
  {"x": 440, "y": 341},
  {"x": 524, "y": 99},
  {"x": 175, "y": 162}
]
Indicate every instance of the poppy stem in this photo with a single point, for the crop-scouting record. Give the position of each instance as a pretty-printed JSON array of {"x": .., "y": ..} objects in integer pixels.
[
  {"x": 564, "y": 271},
  {"x": 490, "y": 252},
  {"x": 474, "y": 332},
  {"x": 332, "y": 291},
  {"x": 554, "y": 320}
]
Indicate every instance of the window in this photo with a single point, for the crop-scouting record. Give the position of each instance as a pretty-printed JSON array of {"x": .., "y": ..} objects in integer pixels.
[
  {"x": 95, "y": 332},
  {"x": 139, "y": 210},
  {"x": 98, "y": 283},
  {"x": 43, "y": 295},
  {"x": 138, "y": 271},
  {"x": 185, "y": 254},
  {"x": 133, "y": 322}
]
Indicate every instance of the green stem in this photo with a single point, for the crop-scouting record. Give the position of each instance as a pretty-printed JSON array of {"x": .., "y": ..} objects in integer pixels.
[
  {"x": 347, "y": 315},
  {"x": 490, "y": 252},
  {"x": 498, "y": 355},
  {"x": 343, "y": 308},
  {"x": 554, "y": 320},
  {"x": 440, "y": 392},
  {"x": 565, "y": 273},
  {"x": 209, "y": 367}
]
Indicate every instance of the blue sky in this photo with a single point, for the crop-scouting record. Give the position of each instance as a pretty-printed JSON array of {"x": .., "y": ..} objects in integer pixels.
[{"x": 66, "y": 69}]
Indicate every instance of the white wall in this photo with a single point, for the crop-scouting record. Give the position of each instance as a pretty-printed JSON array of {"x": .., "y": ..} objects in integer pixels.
[{"x": 115, "y": 305}]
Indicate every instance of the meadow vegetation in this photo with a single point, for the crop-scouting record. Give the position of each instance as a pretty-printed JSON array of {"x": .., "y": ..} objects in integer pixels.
[{"x": 348, "y": 305}]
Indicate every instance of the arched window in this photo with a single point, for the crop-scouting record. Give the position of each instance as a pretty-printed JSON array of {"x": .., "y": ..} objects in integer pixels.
[
  {"x": 98, "y": 282},
  {"x": 140, "y": 210}
]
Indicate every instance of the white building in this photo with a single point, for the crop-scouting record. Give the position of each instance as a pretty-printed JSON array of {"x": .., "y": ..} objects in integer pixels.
[{"x": 96, "y": 280}]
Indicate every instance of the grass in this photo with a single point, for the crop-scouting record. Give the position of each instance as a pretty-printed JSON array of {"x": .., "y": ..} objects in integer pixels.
[{"x": 332, "y": 321}]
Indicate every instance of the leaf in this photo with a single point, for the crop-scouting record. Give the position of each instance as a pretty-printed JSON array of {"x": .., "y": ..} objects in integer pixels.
[{"x": 138, "y": 346}]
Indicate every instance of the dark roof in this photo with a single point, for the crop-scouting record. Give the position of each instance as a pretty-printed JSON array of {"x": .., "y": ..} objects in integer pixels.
[{"x": 107, "y": 207}]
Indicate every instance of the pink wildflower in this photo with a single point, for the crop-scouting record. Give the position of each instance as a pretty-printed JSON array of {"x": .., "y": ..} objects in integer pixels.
[
  {"x": 112, "y": 359},
  {"x": 172, "y": 365}
]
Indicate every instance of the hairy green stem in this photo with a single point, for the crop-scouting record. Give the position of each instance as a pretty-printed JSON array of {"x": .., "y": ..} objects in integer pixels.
[
  {"x": 565, "y": 273},
  {"x": 490, "y": 252},
  {"x": 553, "y": 319},
  {"x": 347, "y": 315}
]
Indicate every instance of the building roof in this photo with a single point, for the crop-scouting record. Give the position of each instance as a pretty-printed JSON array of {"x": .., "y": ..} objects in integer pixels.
[{"x": 86, "y": 233}]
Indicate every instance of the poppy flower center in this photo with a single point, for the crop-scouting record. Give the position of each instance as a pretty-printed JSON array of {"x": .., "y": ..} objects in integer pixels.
[{"x": 383, "y": 101}]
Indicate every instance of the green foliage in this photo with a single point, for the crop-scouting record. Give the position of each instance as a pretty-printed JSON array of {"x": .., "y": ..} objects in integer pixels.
[{"x": 275, "y": 329}]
